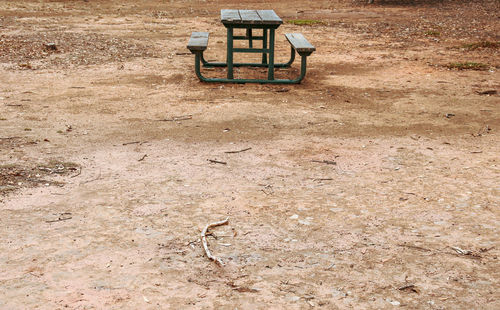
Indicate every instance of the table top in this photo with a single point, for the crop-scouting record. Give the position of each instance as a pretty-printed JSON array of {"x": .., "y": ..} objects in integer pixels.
[{"x": 250, "y": 17}]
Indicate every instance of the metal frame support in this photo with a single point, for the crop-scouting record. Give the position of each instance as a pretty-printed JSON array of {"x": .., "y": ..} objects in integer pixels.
[
  {"x": 287, "y": 64},
  {"x": 197, "y": 66},
  {"x": 267, "y": 51},
  {"x": 229, "y": 58},
  {"x": 270, "y": 70},
  {"x": 264, "y": 45},
  {"x": 249, "y": 35}
]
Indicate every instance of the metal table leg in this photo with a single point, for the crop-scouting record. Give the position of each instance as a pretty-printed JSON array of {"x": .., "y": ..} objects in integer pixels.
[
  {"x": 250, "y": 38},
  {"x": 270, "y": 72},
  {"x": 197, "y": 67},
  {"x": 229, "y": 59},
  {"x": 264, "y": 45}
]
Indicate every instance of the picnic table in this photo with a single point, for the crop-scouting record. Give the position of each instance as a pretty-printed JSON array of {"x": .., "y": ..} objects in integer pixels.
[{"x": 266, "y": 20}]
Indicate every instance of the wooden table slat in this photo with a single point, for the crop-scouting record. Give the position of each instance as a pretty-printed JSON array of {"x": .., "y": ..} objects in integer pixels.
[
  {"x": 300, "y": 43},
  {"x": 269, "y": 16},
  {"x": 250, "y": 16},
  {"x": 230, "y": 16},
  {"x": 198, "y": 41}
]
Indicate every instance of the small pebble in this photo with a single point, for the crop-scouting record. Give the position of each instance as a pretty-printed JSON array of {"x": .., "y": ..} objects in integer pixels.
[
  {"x": 294, "y": 298},
  {"x": 393, "y": 302}
]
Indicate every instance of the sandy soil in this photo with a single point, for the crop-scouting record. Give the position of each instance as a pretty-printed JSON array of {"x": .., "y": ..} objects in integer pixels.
[{"x": 374, "y": 184}]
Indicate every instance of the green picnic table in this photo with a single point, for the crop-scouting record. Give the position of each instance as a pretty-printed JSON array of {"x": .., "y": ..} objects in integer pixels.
[{"x": 251, "y": 20}]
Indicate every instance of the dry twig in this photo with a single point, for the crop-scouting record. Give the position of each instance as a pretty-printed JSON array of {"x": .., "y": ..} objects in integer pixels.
[
  {"x": 234, "y": 152},
  {"x": 62, "y": 217},
  {"x": 176, "y": 118},
  {"x": 461, "y": 251},
  {"x": 79, "y": 172},
  {"x": 473, "y": 254},
  {"x": 133, "y": 142},
  {"x": 9, "y": 138},
  {"x": 213, "y": 161},
  {"x": 242, "y": 289},
  {"x": 322, "y": 179},
  {"x": 328, "y": 162},
  {"x": 416, "y": 247},
  {"x": 204, "y": 240},
  {"x": 487, "y": 92},
  {"x": 409, "y": 288}
]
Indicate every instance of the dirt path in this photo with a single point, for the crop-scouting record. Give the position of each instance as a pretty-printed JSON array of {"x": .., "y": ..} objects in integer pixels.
[{"x": 371, "y": 185}]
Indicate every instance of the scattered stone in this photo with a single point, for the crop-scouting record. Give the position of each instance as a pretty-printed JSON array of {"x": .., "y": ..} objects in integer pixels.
[
  {"x": 51, "y": 46},
  {"x": 338, "y": 293},
  {"x": 293, "y": 298},
  {"x": 487, "y": 92},
  {"x": 393, "y": 302}
]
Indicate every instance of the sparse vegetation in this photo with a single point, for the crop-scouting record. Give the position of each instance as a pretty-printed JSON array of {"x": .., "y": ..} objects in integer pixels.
[
  {"x": 432, "y": 33},
  {"x": 305, "y": 22},
  {"x": 467, "y": 66},
  {"x": 480, "y": 45},
  {"x": 13, "y": 177}
]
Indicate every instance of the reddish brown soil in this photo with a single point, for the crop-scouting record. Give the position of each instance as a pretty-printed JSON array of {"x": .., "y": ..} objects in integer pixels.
[{"x": 371, "y": 185}]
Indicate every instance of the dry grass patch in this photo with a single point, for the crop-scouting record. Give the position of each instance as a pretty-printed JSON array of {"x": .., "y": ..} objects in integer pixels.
[
  {"x": 467, "y": 66},
  {"x": 480, "y": 45},
  {"x": 65, "y": 49},
  {"x": 14, "y": 177},
  {"x": 305, "y": 22}
]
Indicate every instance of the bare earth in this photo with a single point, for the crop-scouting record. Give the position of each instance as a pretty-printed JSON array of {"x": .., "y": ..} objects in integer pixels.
[{"x": 374, "y": 184}]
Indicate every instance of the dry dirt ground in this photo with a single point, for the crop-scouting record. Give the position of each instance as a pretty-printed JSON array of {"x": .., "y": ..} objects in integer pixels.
[{"x": 374, "y": 184}]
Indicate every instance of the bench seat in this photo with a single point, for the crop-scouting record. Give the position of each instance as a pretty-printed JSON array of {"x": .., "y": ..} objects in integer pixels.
[
  {"x": 198, "y": 42},
  {"x": 300, "y": 43}
]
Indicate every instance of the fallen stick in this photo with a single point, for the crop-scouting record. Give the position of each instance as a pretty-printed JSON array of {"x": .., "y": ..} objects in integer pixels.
[
  {"x": 416, "y": 247},
  {"x": 62, "y": 217},
  {"x": 133, "y": 142},
  {"x": 328, "y": 162},
  {"x": 204, "y": 240},
  {"x": 79, "y": 172},
  {"x": 176, "y": 118},
  {"x": 243, "y": 289},
  {"x": 487, "y": 92},
  {"x": 59, "y": 219},
  {"x": 323, "y": 179},
  {"x": 234, "y": 152},
  {"x": 142, "y": 158},
  {"x": 9, "y": 138},
  {"x": 213, "y": 161},
  {"x": 461, "y": 251}
]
